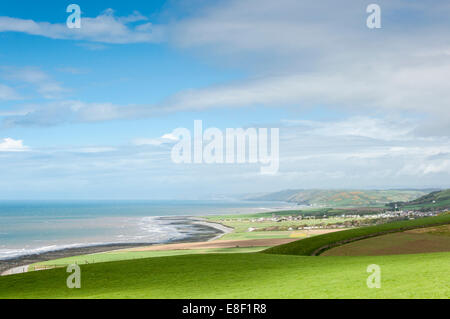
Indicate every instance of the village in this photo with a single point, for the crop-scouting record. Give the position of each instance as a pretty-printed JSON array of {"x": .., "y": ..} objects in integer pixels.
[{"x": 334, "y": 222}]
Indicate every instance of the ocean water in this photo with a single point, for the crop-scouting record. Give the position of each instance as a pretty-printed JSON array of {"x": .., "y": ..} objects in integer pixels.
[{"x": 28, "y": 227}]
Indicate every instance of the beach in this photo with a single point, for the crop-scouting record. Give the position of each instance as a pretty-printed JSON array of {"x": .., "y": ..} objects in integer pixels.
[
  {"x": 199, "y": 231},
  {"x": 35, "y": 231}
]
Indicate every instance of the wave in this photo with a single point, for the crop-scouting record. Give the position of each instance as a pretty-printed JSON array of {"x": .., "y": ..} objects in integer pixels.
[
  {"x": 151, "y": 230},
  {"x": 6, "y": 253}
]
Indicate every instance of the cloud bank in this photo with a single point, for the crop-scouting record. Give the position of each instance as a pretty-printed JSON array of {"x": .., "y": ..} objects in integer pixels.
[{"x": 105, "y": 28}]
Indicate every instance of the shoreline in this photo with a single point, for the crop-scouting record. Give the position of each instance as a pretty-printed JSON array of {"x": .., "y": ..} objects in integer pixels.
[
  {"x": 222, "y": 228},
  {"x": 202, "y": 231}
]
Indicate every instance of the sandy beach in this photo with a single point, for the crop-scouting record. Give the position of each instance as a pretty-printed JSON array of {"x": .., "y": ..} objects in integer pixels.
[
  {"x": 223, "y": 229},
  {"x": 203, "y": 231}
]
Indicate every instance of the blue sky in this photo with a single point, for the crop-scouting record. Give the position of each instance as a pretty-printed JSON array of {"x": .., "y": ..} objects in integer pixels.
[
  {"x": 135, "y": 73},
  {"x": 356, "y": 108}
]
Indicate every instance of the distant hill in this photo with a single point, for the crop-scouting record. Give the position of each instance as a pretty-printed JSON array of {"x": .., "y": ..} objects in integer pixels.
[
  {"x": 341, "y": 198},
  {"x": 432, "y": 201}
]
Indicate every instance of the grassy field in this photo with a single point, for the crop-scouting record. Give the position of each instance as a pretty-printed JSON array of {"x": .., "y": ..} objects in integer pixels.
[
  {"x": 253, "y": 275},
  {"x": 241, "y": 228},
  {"x": 242, "y": 223},
  {"x": 308, "y": 211},
  {"x": 130, "y": 255},
  {"x": 281, "y": 273},
  {"x": 308, "y": 246},
  {"x": 431, "y": 201},
  {"x": 393, "y": 244},
  {"x": 243, "y": 235},
  {"x": 439, "y": 231}
]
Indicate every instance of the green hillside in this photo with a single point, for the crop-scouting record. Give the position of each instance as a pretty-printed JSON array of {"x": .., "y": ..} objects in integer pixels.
[
  {"x": 315, "y": 245},
  {"x": 242, "y": 276},
  {"x": 282, "y": 273},
  {"x": 342, "y": 198},
  {"x": 436, "y": 200}
]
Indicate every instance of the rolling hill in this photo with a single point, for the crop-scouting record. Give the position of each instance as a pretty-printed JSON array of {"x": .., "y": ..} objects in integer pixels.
[
  {"x": 341, "y": 198},
  {"x": 286, "y": 271},
  {"x": 439, "y": 200},
  {"x": 316, "y": 245}
]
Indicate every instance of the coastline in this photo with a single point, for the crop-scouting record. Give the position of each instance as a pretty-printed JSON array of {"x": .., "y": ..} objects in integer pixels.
[
  {"x": 201, "y": 230},
  {"x": 222, "y": 228}
]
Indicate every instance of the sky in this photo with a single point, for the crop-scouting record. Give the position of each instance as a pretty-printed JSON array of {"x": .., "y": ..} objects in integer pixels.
[{"x": 85, "y": 113}]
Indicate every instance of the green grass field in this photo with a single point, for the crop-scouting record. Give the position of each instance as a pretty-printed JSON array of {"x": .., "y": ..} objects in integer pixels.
[
  {"x": 241, "y": 223},
  {"x": 240, "y": 228},
  {"x": 431, "y": 201},
  {"x": 130, "y": 255},
  {"x": 393, "y": 244},
  {"x": 437, "y": 205},
  {"x": 243, "y": 235},
  {"x": 252, "y": 275},
  {"x": 279, "y": 272},
  {"x": 308, "y": 246}
]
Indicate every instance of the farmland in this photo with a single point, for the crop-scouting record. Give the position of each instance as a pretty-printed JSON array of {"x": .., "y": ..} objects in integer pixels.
[{"x": 285, "y": 271}]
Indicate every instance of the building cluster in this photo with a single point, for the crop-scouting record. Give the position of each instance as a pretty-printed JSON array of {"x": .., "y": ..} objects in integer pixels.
[
  {"x": 384, "y": 214},
  {"x": 342, "y": 221}
]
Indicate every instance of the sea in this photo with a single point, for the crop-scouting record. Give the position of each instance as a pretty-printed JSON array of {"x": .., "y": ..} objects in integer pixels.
[{"x": 33, "y": 227}]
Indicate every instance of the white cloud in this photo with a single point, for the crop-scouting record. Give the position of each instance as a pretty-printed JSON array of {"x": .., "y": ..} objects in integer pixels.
[
  {"x": 105, "y": 28},
  {"x": 298, "y": 54},
  {"x": 72, "y": 70},
  {"x": 165, "y": 139},
  {"x": 170, "y": 137},
  {"x": 11, "y": 145},
  {"x": 426, "y": 168},
  {"x": 96, "y": 149},
  {"x": 416, "y": 88},
  {"x": 43, "y": 83},
  {"x": 92, "y": 46},
  {"x": 72, "y": 111},
  {"x": 310, "y": 157},
  {"x": 134, "y": 17},
  {"x": 8, "y": 93},
  {"x": 321, "y": 53},
  {"x": 303, "y": 31},
  {"x": 386, "y": 129}
]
